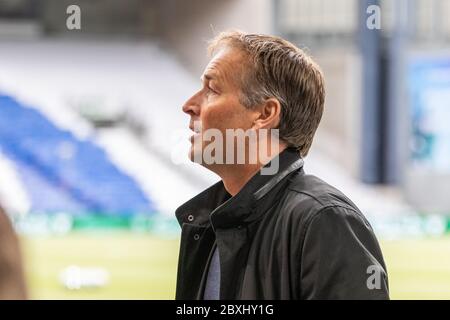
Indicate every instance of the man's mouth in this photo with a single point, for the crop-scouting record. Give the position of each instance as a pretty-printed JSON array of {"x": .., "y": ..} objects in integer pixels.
[
  {"x": 196, "y": 133},
  {"x": 196, "y": 129}
]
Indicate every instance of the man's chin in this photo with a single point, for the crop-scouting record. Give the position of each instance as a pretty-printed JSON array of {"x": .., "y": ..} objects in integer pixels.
[{"x": 195, "y": 155}]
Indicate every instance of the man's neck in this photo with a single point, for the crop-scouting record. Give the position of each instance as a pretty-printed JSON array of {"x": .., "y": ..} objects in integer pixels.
[
  {"x": 235, "y": 177},
  {"x": 238, "y": 176}
]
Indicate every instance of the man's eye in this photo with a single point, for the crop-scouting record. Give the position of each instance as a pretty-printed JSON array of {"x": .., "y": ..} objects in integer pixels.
[{"x": 211, "y": 91}]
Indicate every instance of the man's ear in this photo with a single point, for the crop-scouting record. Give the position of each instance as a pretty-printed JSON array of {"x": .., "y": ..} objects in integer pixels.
[{"x": 268, "y": 115}]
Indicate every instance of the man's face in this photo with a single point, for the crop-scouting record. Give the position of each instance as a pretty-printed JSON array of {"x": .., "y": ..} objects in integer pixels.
[{"x": 216, "y": 105}]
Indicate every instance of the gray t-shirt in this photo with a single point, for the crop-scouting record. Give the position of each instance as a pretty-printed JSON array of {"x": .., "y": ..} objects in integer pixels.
[{"x": 212, "y": 287}]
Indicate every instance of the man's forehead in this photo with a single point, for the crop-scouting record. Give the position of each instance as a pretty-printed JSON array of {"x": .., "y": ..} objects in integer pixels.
[
  {"x": 223, "y": 64},
  {"x": 215, "y": 69}
]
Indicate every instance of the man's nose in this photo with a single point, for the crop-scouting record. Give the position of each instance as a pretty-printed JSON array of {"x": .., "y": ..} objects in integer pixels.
[{"x": 192, "y": 106}]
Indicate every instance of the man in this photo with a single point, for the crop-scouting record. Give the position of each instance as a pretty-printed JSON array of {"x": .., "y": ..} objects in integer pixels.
[{"x": 283, "y": 235}]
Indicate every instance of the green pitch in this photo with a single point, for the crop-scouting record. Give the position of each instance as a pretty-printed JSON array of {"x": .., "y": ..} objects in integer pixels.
[
  {"x": 418, "y": 269},
  {"x": 144, "y": 266},
  {"x": 139, "y": 266}
]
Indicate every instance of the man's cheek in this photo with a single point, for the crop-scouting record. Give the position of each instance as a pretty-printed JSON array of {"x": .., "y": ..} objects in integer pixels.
[{"x": 215, "y": 120}]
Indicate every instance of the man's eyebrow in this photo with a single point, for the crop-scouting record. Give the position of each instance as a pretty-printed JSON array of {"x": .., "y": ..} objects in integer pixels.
[{"x": 209, "y": 76}]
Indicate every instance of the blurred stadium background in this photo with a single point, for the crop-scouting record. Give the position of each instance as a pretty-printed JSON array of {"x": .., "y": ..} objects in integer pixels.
[{"x": 92, "y": 148}]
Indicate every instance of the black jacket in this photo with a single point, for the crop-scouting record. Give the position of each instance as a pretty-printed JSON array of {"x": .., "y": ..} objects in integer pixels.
[{"x": 285, "y": 236}]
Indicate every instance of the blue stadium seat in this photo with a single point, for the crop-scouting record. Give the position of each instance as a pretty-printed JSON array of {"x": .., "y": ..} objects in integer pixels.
[{"x": 63, "y": 173}]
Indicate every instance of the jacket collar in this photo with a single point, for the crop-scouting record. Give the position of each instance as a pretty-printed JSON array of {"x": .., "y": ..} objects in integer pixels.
[{"x": 215, "y": 206}]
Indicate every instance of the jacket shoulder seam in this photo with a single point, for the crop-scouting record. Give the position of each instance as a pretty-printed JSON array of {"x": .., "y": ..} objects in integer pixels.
[{"x": 323, "y": 205}]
